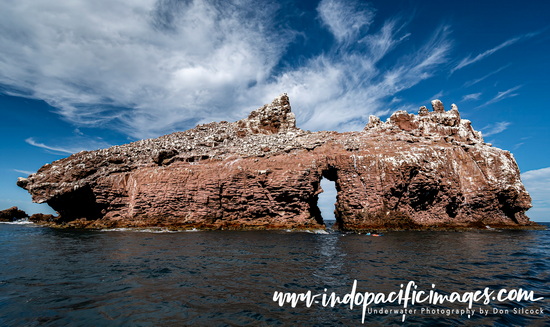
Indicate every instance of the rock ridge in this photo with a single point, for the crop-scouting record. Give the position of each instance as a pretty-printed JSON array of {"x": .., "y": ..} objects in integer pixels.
[{"x": 430, "y": 170}]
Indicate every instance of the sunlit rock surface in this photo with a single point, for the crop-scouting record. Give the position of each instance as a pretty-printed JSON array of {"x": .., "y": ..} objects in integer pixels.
[{"x": 430, "y": 170}]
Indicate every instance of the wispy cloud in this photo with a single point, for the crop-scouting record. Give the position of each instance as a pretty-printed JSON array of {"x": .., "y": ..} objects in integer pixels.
[
  {"x": 26, "y": 172},
  {"x": 536, "y": 182},
  {"x": 523, "y": 141},
  {"x": 495, "y": 128},
  {"x": 469, "y": 60},
  {"x": 340, "y": 91},
  {"x": 147, "y": 67},
  {"x": 345, "y": 19},
  {"x": 475, "y": 81},
  {"x": 437, "y": 95},
  {"x": 502, "y": 95},
  {"x": 518, "y": 145},
  {"x": 77, "y": 145},
  {"x": 538, "y": 175},
  {"x": 143, "y": 66},
  {"x": 473, "y": 96},
  {"x": 32, "y": 142}
]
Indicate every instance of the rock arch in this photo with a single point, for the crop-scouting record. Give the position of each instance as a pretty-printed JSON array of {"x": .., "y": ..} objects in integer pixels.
[{"x": 262, "y": 172}]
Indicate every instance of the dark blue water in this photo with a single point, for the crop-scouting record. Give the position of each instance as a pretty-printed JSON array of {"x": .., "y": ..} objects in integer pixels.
[{"x": 54, "y": 277}]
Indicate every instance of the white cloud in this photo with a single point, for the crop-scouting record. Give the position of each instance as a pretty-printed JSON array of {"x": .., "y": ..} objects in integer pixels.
[
  {"x": 473, "y": 96},
  {"x": 32, "y": 142},
  {"x": 345, "y": 19},
  {"x": 438, "y": 95},
  {"x": 469, "y": 60},
  {"x": 152, "y": 67},
  {"x": 475, "y": 81},
  {"x": 518, "y": 145},
  {"x": 26, "y": 172},
  {"x": 495, "y": 128},
  {"x": 76, "y": 144},
  {"x": 537, "y": 184},
  {"x": 502, "y": 95},
  {"x": 340, "y": 92},
  {"x": 541, "y": 176}
]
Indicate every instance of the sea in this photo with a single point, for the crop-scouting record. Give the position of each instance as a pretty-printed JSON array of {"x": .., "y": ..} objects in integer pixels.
[{"x": 155, "y": 277}]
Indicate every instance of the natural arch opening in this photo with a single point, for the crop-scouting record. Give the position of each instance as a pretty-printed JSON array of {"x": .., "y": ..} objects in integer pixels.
[
  {"x": 327, "y": 201},
  {"x": 323, "y": 205}
]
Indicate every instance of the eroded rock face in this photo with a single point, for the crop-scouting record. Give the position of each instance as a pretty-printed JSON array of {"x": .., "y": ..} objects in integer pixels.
[
  {"x": 12, "y": 214},
  {"x": 412, "y": 171}
]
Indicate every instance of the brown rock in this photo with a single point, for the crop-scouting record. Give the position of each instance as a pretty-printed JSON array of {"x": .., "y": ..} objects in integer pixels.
[
  {"x": 42, "y": 218},
  {"x": 404, "y": 121},
  {"x": 12, "y": 214},
  {"x": 273, "y": 118},
  {"x": 413, "y": 171},
  {"x": 423, "y": 111},
  {"x": 437, "y": 106}
]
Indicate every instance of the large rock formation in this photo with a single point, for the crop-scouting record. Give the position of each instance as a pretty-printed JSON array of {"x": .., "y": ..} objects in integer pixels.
[
  {"x": 412, "y": 171},
  {"x": 12, "y": 214}
]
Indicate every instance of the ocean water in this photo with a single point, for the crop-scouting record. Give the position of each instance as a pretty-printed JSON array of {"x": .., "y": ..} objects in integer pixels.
[{"x": 54, "y": 277}]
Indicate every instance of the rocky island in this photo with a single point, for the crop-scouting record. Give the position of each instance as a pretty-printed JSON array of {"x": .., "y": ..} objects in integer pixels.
[{"x": 424, "y": 171}]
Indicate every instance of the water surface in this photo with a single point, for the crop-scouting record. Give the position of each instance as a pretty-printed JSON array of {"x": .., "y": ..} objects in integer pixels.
[{"x": 52, "y": 277}]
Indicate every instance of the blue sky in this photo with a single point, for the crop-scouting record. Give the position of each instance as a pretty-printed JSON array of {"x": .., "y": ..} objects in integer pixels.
[{"x": 81, "y": 75}]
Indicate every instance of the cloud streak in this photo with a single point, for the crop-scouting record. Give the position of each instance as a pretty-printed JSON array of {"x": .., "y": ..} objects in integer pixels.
[
  {"x": 472, "y": 96},
  {"x": 469, "y": 60},
  {"x": 503, "y": 95},
  {"x": 32, "y": 142},
  {"x": 77, "y": 145},
  {"x": 495, "y": 128},
  {"x": 26, "y": 172},
  {"x": 340, "y": 91},
  {"x": 475, "y": 81},
  {"x": 345, "y": 19},
  {"x": 536, "y": 182},
  {"x": 147, "y": 68}
]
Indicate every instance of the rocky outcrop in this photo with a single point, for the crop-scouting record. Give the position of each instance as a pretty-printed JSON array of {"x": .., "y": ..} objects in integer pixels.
[
  {"x": 12, "y": 214},
  {"x": 41, "y": 218},
  {"x": 412, "y": 171}
]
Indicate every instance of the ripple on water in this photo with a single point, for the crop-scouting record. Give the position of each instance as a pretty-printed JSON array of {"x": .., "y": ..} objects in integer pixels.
[{"x": 153, "y": 277}]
